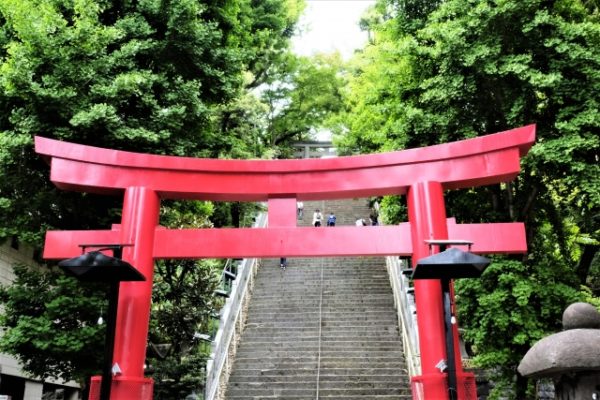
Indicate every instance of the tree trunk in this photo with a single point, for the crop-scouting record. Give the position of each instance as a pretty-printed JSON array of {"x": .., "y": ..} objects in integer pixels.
[
  {"x": 585, "y": 262},
  {"x": 235, "y": 214}
]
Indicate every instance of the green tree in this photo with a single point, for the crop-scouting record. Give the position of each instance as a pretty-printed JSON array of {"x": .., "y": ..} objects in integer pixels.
[
  {"x": 183, "y": 306},
  {"x": 269, "y": 26},
  {"x": 53, "y": 330},
  {"x": 51, "y": 319},
  {"x": 304, "y": 98},
  {"x": 50, "y": 323},
  {"x": 148, "y": 76},
  {"x": 467, "y": 69}
]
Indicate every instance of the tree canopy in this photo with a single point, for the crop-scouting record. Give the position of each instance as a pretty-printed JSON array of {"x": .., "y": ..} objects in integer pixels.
[
  {"x": 52, "y": 321},
  {"x": 303, "y": 99},
  {"x": 439, "y": 71},
  {"x": 151, "y": 76}
]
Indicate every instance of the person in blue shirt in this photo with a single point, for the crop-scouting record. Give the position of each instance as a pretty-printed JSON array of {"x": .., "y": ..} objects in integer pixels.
[{"x": 331, "y": 219}]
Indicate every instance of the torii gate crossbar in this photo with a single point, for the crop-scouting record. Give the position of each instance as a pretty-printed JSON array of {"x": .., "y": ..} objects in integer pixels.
[{"x": 421, "y": 174}]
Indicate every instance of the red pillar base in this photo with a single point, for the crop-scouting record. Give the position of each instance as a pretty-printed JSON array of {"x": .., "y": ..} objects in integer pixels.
[
  {"x": 124, "y": 388},
  {"x": 435, "y": 386}
]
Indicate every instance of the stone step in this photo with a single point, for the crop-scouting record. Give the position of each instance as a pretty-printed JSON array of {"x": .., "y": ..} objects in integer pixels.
[
  {"x": 337, "y": 295},
  {"x": 313, "y": 346},
  {"x": 324, "y": 338},
  {"x": 341, "y": 397},
  {"x": 343, "y": 319},
  {"x": 311, "y": 362},
  {"x": 332, "y": 311},
  {"x": 325, "y": 318},
  {"x": 326, "y": 373},
  {"x": 338, "y": 345},
  {"x": 316, "y": 268},
  {"x": 325, "y": 335},
  {"x": 290, "y": 277},
  {"x": 294, "y": 311},
  {"x": 300, "y": 324},
  {"x": 314, "y": 301},
  {"x": 338, "y": 275},
  {"x": 381, "y": 306},
  {"x": 311, "y": 376},
  {"x": 325, "y": 354},
  {"x": 291, "y": 328},
  {"x": 334, "y": 275},
  {"x": 341, "y": 385},
  {"x": 314, "y": 287},
  {"x": 323, "y": 393},
  {"x": 307, "y": 290}
]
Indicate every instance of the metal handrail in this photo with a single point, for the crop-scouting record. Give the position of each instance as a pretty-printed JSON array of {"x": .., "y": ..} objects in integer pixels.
[
  {"x": 228, "y": 276},
  {"x": 406, "y": 309},
  {"x": 231, "y": 322}
]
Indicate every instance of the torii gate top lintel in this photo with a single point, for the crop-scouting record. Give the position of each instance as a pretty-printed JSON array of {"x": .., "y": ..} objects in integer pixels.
[{"x": 478, "y": 161}]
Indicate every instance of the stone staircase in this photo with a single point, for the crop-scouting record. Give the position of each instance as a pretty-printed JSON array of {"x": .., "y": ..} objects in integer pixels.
[
  {"x": 346, "y": 211},
  {"x": 325, "y": 328}
]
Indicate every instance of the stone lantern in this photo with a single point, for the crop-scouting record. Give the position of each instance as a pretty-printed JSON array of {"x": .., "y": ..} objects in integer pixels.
[{"x": 571, "y": 358}]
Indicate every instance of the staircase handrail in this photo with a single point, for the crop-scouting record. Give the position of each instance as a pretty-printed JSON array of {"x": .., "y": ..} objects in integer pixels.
[
  {"x": 405, "y": 306},
  {"x": 231, "y": 320}
]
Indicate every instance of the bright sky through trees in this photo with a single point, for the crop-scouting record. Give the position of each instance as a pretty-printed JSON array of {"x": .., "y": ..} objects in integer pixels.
[{"x": 329, "y": 25}]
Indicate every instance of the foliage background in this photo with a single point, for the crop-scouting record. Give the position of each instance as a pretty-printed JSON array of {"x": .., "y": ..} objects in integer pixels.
[
  {"x": 158, "y": 76},
  {"x": 207, "y": 78},
  {"x": 439, "y": 71}
]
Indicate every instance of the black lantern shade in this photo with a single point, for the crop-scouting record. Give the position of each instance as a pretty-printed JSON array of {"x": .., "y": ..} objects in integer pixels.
[
  {"x": 98, "y": 267},
  {"x": 452, "y": 263},
  {"x": 94, "y": 266}
]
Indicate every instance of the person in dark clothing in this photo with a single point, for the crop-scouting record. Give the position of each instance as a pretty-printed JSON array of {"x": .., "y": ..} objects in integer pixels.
[{"x": 331, "y": 219}]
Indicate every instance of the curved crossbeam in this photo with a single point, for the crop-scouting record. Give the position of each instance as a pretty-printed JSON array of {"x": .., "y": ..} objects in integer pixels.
[{"x": 479, "y": 161}]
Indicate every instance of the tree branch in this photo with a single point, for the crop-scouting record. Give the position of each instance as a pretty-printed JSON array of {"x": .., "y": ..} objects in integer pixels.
[
  {"x": 529, "y": 202},
  {"x": 510, "y": 200}
]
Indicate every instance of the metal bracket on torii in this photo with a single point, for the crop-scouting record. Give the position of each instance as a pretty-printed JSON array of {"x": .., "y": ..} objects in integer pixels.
[{"x": 421, "y": 174}]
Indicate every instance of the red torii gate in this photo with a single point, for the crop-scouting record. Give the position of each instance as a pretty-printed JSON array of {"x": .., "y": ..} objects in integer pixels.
[{"x": 421, "y": 174}]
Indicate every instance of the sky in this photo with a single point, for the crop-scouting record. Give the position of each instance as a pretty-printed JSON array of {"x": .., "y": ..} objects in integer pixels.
[{"x": 330, "y": 25}]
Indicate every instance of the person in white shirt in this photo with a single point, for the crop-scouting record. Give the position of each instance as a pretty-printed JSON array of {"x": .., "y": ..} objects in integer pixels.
[{"x": 317, "y": 218}]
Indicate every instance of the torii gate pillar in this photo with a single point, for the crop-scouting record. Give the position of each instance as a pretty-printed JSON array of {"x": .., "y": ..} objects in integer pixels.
[
  {"x": 427, "y": 217},
  {"x": 138, "y": 223}
]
